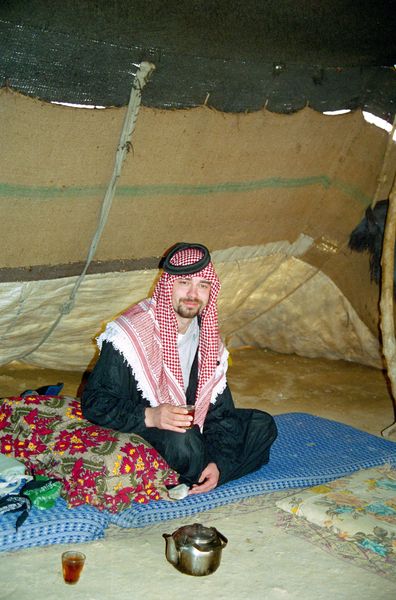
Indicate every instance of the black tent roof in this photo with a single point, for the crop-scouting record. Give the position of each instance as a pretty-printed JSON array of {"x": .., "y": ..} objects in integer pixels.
[{"x": 234, "y": 55}]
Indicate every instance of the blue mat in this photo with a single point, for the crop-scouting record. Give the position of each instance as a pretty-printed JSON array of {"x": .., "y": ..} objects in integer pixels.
[
  {"x": 309, "y": 450},
  {"x": 57, "y": 525}
]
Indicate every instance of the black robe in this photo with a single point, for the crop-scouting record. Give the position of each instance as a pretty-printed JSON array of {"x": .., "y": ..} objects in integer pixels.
[{"x": 238, "y": 440}]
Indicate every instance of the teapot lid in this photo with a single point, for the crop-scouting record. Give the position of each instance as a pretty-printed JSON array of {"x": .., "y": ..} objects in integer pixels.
[{"x": 197, "y": 533}]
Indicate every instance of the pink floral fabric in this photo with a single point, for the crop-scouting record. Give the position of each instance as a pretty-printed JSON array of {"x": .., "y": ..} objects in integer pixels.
[{"x": 97, "y": 466}]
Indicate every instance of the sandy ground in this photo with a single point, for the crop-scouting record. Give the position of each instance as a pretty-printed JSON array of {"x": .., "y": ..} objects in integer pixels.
[{"x": 260, "y": 560}]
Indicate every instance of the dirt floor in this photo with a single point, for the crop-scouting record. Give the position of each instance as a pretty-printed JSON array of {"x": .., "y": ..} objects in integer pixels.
[{"x": 261, "y": 559}]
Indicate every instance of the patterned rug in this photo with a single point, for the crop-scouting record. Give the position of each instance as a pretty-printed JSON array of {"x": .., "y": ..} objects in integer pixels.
[{"x": 342, "y": 549}]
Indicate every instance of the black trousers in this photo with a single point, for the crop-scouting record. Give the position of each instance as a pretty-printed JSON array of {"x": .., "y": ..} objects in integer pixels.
[
  {"x": 184, "y": 452},
  {"x": 236, "y": 455}
]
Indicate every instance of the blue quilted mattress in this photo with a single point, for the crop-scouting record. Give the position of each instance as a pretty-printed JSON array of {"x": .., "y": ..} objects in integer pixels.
[
  {"x": 57, "y": 525},
  {"x": 309, "y": 450}
]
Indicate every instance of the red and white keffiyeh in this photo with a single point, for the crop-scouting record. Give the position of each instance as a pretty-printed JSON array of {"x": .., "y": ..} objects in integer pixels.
[{"x": 146, "y": 336}]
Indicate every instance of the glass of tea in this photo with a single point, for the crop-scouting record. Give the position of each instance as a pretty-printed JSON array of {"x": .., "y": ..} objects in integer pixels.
[
  {"x": 191, "y": 411},
  {"x": 72, "y": 565}
]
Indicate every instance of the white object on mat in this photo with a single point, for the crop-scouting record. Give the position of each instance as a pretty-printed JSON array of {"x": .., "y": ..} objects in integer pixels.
[
  {"x": 12, "y": 473},
  {"x": 179, "y": 492}
]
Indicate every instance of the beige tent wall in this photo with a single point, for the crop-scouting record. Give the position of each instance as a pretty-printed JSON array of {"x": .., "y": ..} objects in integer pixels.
[
  {"x": 259, "y": 305},
  {"x": 243, "y": 181}
]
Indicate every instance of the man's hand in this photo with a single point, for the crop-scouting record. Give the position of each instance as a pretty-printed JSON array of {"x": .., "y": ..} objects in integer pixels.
[
  {"x": 208, "y": 480},
  {"x": 168, "y": 416}
]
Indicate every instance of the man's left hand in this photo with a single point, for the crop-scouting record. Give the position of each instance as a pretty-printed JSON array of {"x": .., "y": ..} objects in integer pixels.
[{"x": 208, "y": 480}]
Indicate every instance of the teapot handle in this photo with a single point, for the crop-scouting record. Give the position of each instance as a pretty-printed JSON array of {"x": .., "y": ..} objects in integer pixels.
[{"x": 223, "y": 539}]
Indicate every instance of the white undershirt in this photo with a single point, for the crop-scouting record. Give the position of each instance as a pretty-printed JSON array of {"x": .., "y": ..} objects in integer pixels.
[{"x": 187, "y": 344}]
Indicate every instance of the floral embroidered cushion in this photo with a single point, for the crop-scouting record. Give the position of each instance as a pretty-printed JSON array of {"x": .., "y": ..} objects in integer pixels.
[
  {"x": 97, "y": 466},
  {"x": 360, "y": 507}
]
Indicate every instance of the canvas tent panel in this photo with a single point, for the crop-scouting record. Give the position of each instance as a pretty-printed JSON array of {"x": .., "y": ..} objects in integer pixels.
[
  {"x": 311, "y": 168},
  {"x": 234, "y": 56},
  {"x": 270, "y": 298},
  {"x": 280, "y": 178}
]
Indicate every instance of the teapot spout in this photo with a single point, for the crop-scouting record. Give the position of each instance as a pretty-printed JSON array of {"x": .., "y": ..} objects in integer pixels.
[{"x": 171, "y": 552}]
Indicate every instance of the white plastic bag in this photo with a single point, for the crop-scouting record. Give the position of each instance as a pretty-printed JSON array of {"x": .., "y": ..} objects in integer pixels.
[{"x": 12, "y": 474}]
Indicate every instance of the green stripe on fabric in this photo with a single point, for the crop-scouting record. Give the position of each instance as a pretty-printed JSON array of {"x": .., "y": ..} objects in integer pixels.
[
  {"x": 47, "y": 193},
  {"x": 219, "y": 188},
  {"x": 169, "y": 189}
]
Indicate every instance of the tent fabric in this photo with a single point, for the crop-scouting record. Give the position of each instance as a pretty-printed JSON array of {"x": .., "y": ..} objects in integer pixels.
[
  {"x": 282, "y": 303},
  {"x": 277, "y": 176},
  {"x": 233, "y": 56},
  {"x": 327, "y": 32},
  {"x": 278, "y": 194}
]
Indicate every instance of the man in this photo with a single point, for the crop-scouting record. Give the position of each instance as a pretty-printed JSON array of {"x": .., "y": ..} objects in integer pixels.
[{"x": 164, "y": 353}]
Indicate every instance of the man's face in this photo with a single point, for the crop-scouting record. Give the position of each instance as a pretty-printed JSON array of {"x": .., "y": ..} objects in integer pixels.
[{"x": 190, "y": 295}]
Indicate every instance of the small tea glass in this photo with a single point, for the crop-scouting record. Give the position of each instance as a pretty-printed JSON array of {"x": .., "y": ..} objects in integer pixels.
[
  {"x": 72, "y": 565},
  {"x": 191, "y": 411}
]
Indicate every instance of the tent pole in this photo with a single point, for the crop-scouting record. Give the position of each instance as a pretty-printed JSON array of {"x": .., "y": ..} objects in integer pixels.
[
  {"x": 383, "y": 177},
  {"x": 386, "y": 302}
]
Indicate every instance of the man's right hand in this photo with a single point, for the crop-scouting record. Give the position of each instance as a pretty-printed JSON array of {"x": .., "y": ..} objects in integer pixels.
[{"x": 168, "y": 416}]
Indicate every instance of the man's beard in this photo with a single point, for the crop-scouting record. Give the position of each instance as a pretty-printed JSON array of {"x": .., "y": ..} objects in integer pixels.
[{"x": 187, "y": 312}]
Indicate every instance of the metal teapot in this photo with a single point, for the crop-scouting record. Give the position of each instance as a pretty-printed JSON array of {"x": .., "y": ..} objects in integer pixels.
[{"x": 195, "y": 549}]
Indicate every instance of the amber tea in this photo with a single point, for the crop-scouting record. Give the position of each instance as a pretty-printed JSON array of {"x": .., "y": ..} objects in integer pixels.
[
  {"x": 72, "y": 565},
  {"x": 191, "y": 411}
]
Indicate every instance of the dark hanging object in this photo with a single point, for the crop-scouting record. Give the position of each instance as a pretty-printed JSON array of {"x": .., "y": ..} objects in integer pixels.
[{"x": 368, "y": 237}]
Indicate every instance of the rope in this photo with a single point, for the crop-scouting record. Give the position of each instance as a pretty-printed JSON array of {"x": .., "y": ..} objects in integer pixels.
[{"x": 140, "y": 79}]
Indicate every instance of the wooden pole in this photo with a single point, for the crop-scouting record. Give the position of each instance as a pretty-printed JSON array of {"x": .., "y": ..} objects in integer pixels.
[
  {"x": 386, "y": 302},
  {"x": 382, "y": 179}
]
